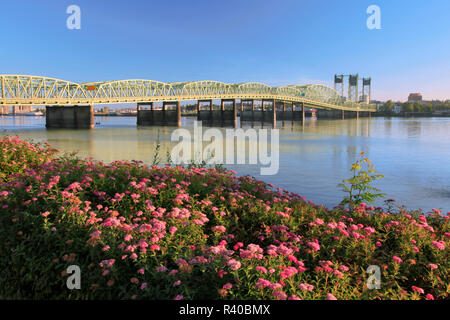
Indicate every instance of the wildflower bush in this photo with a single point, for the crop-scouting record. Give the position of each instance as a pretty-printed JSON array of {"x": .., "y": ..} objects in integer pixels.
[
  {"x": 17, "y": 155},
  {"x": 148, "y": 232}
]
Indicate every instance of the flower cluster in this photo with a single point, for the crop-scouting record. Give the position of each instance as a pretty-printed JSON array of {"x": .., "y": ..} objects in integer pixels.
[{"x": 140, "y": 232}]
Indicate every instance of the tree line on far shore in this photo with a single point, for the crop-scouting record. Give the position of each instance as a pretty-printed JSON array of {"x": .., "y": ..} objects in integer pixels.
[{"x": 426, "y": 107}]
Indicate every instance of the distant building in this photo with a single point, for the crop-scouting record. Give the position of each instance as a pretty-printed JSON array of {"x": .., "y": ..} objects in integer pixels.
[
  {"x": 377, "y": 103},
  {"x": 397, "y": 108},
  {"x": 414, "y": 97}
]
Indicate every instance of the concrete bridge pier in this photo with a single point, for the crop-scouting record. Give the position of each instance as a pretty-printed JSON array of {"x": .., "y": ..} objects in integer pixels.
[
  {"x": 263, "y": 115},
  {"x": 329, "y": 114},
  {"x": 142, "y": 118},
  {"x": 4, "y": 110},
  {"x": 204, "y": 115},
  {"x": 226, "y": 116},
  {"x": 70, "y": 117},
  {"x": 274, "y": 113},
  {"x": 162, "y": 117}
]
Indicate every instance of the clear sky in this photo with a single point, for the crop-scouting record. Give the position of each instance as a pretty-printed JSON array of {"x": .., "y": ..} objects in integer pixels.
[{"x": 277, "y": 42}]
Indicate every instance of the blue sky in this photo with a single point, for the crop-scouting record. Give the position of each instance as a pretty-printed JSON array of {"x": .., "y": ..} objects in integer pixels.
[{"x": 276, "y": 42}]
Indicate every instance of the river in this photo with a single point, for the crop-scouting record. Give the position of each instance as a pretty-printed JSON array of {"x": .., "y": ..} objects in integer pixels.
[{"x": 412, "y": 153}]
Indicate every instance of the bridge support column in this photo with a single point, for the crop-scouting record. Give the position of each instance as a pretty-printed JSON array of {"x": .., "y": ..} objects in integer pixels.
[
  {"x": 172, "y": 116},
  {"x": 70, "y": 117},
  {"x": 205, "y": 115},
  {"x": 162, "y": 117},
  {"x": 144, "y": 117},
  {"x": 274, "y": 114},
  {"x": 178, "y": 114},
  {"x": 303, "y": 112},
  {"x": 234, "y": 113},
  {"x": 357, "y": 114},
  {"x": 343, "y": 114}
]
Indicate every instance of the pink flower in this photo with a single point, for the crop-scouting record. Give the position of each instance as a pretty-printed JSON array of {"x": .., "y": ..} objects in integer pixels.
[
  {"x": 261, "y": 269},
  {"x": 275, "y": 286},
  {"x": 227, "y": 286},
  {"x": 233, "y": 264},
  {"x": 177, "y": 283},
  {"x": 331, "y": 297},
  {"x": 397, "y": 259},
  {"x": 288, "y": 272},
  {"x": 46, "y": 213},
  {"x": 314, "y": 245},
  {"x": 417, "y": 289},
  {"x": 294, "y": 297},
  {"x": 262, "y": 283},
  {"x": 95, "y": 233},
  {"x": 433, "y": 266},
  {"x": 338, "y": 274},
  {"x": 318, "y": 222},
  {"x": 343, "y": 268},
  {"x": 161, "y": 269},
  {"x": 220, "y": 229},
  {"x": 305, "y": 287},
  {"x": 105, "y": 248},
  {"x": 429, "y": 296},
  {"x": 107, "y": 263},
  {"x": 141, "y": 271},
  {"x": 172, "y": 230},
  {"x": 438, "y": 244},
  {"x": 178, "y": 297},
  {"x": 143, "y": 285},
  {"x": 280, "y": 295},
  {"x": 154, "y": 247}
]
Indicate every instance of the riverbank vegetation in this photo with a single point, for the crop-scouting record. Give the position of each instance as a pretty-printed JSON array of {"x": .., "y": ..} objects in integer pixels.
[
  {"x": 408, "y": 108},
  {"x": 149, "y": 232}
]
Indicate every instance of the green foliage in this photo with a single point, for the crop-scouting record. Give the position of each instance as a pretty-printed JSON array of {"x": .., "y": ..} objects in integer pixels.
[
  {"x": 194, "y": 222},
  {"x": 358, "y": 187},
  {"x": 17, "y": 155}
]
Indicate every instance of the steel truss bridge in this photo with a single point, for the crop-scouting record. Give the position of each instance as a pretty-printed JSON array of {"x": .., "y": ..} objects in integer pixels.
[{"x": 20, "y": 90}]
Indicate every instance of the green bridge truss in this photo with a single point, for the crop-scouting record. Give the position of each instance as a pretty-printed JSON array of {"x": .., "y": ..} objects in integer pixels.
[{"x": 34, "y": 90}]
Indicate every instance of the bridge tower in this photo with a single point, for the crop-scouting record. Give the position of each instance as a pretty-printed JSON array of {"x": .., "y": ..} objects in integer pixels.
[
  {"x": 353, "y": 87},
  {"x": 339, "y": 83},
  {"x": 366, "y": 89}
]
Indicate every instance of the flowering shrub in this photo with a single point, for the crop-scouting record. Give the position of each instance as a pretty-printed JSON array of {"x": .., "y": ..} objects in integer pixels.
[
  {"x": 140, "y": 232},
  {"x": 16, "y": 155}
]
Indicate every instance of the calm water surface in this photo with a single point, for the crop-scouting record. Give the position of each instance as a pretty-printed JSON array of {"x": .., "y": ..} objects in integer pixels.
[{"x": 413, "y": 154}]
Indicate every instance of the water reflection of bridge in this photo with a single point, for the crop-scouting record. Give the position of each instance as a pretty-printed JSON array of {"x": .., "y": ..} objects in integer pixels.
[{"x": 70, "y": 105}]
